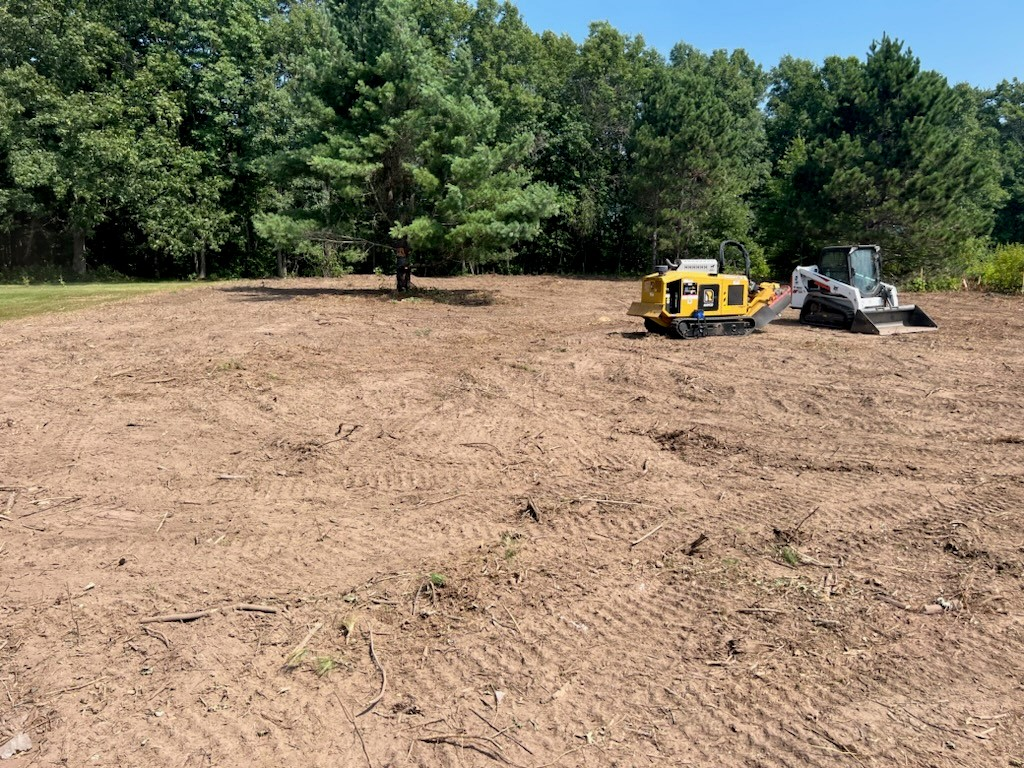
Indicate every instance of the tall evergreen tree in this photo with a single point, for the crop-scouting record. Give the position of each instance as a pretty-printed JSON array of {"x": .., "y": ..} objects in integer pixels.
[
  {"x": 412, "y": 155},
  {"x": 699, "y": 152},
  {"x": 879, "y": 151}
]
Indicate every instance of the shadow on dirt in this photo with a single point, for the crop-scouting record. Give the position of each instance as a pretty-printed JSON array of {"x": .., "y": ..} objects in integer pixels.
[
  {"x": 791, "y": 322},
  {"x": 459, "y": 298}
]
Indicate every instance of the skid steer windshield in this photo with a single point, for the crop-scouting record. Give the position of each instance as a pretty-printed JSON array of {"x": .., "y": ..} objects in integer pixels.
[
  {"x": 864, "y": 269},
  {"x": 833, "y": 264}
]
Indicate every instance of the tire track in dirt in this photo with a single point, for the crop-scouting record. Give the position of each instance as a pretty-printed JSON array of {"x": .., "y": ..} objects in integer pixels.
[{"x": 882, "y": 447}]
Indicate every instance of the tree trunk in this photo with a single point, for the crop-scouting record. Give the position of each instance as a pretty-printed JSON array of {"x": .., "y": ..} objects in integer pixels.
[
  {"x": 201, "y": 264},
  {"x": 78, "y": 251},
  {"x": 282, "y": 270},
  {"x": 30, "y": 241}
]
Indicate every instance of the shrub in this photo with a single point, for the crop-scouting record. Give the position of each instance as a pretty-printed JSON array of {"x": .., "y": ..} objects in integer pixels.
[{"x": 1002, "y": 269}]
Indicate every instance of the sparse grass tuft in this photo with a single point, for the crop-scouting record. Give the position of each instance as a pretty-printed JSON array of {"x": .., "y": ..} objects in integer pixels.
[
  {"x": 324, "y": 665},
  {"x": 295, "y": 659},
  {"x": 790, "y": 555},
  {"x": 510, "y": 540}
]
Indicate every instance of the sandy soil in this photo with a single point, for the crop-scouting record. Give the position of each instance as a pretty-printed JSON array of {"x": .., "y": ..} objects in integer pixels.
[{"x": 565, "y": 542}]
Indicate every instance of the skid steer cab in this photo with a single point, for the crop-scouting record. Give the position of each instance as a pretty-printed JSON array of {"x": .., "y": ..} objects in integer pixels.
[
  {"x": 691, "y": 298},
  {"x": 844, "y": 290}
]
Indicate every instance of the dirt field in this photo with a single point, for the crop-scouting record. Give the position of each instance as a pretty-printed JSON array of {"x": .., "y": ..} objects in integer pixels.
[{"x": 544, "y": 536}]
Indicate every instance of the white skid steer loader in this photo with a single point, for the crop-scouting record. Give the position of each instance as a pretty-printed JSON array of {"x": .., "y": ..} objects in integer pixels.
[{"x": 844, "y": 290}]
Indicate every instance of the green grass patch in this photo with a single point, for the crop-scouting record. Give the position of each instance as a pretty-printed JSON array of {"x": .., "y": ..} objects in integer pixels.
[{"x": 25, "y": 300}]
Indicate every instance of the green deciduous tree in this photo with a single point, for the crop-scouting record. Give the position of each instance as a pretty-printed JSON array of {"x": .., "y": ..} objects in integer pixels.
[{"x": 1003, "y": 111}]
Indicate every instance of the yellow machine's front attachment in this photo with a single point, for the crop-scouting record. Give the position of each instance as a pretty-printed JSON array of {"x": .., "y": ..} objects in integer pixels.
[{"x": 769, "y": 301}]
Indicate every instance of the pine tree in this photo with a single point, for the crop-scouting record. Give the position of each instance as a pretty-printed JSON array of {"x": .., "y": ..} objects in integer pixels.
[{"x": 879, "y": 152}]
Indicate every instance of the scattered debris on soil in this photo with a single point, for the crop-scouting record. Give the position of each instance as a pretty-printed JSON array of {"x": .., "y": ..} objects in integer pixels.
[{"x": 301, "y": 523}]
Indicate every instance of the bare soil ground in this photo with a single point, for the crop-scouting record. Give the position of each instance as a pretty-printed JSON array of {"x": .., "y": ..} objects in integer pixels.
[{"x": 563, "y": 541}]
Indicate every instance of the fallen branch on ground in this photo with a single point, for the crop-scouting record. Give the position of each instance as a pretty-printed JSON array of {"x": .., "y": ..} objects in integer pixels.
[
  {"x": 179, "y": 616},
  {"x": 383, "y": 678},
  {"x": 170, "y": 617},
  {"x": 469, "y": 742},
  {"x": 255, "y": 608},
  {"x": 650, "y": 533}
]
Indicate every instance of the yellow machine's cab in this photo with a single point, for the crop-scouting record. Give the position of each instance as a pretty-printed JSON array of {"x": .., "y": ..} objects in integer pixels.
[{"x": 691, "y": 298}]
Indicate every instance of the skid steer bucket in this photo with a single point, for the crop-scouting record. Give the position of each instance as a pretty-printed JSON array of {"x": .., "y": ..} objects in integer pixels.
[{"x": 890, "y": 320}]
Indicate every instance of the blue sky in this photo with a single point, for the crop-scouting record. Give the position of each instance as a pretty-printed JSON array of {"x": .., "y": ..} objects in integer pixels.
[{"x": 980, "y": 42}]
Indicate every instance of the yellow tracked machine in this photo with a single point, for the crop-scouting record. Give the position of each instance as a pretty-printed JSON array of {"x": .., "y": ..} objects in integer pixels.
[{"x": 691, "y": 298}]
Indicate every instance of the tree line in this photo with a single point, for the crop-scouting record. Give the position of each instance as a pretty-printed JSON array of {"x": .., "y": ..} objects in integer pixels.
[{"x": 172, "y": 138}]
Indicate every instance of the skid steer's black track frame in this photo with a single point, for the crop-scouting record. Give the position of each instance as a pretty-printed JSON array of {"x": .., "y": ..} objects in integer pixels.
[{"x": 827, "y": 312}]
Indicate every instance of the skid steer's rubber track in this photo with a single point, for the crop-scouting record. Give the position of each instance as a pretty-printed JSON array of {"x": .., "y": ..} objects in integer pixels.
[{"x": 827, "y": 313}]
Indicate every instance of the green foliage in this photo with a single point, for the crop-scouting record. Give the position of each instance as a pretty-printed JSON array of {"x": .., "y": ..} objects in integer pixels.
[
  {"x": 699, "y": 152},
  {"x": 880, "y": 152},
  {"x": 1002, "y": 270},
  {"x": 245, "y": 137},
  {"x": 1002, "y": 109}
]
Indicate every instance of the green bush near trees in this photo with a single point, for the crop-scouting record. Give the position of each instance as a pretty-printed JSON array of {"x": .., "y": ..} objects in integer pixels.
[
  {"x": 260, "y": 137},
  {"x": 1001, "y": 270}
]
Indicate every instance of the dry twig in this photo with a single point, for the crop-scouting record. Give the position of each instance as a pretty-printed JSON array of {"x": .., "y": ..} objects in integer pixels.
[
  {"x": 255, "y": 608},
  {"x": 610, "y": 501},
  {"x": 383, "y": 678},
  {"x": 356, "y": 727},
  {"x": 162, "y": 521},
  {"x": 179, "y": 616},
  {"x": 516, "y": 623},
  {"x": 696, "y": 544},
  {"x": 159, "y": 636},
  {"x": 209, "y": 612},
  {"x": 503, "y": 732},
  {"x": 301, "y": 647},
  {"x": 469, "y": 742},
  {"x": 69, "y": 689},
  {"x": 650, "y": 533}
]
